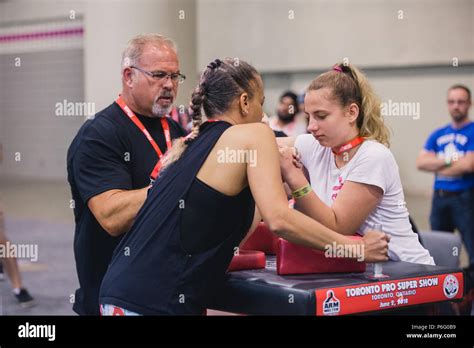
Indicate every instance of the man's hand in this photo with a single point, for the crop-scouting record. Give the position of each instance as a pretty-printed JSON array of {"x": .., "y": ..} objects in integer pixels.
[{"x": 428, "y": 162}]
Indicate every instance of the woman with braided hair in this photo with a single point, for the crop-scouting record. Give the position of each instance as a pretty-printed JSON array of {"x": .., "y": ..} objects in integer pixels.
[{"x": 202, "y": 205}]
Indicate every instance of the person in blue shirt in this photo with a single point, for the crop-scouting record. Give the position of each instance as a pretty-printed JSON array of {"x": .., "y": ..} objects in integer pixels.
[{"x": 449, "y": 153}]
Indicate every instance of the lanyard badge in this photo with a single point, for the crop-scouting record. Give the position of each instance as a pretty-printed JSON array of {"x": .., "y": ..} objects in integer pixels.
[{"x": 139, "y": 124}]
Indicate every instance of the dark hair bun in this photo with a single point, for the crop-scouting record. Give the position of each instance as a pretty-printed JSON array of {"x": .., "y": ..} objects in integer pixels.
[{"x": 214, "y": 64}]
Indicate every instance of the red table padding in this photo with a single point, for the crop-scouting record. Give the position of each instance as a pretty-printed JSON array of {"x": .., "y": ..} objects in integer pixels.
[
  {"x": 247, "y": 259},
  {"x": 297, "y": 259},
  {"x": 262, "y": 239}
]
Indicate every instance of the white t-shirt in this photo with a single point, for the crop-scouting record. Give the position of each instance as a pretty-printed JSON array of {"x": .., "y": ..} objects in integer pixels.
[{"x": 372, "y": 164}]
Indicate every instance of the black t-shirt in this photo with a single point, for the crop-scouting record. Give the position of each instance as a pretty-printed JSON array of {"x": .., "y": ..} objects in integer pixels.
[{"x": 109, "y": 152}]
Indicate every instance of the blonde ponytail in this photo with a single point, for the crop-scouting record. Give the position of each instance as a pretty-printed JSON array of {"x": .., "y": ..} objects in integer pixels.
[
  {"x": 349, "y": 85},
  {"x": 373, "y": 125}
]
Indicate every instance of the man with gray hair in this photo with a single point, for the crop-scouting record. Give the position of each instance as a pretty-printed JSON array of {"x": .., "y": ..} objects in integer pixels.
[{"x": 113, "y": 156}]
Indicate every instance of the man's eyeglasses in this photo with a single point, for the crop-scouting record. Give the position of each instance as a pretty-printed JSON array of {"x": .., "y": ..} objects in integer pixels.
[{"x": 161, "y": 75}]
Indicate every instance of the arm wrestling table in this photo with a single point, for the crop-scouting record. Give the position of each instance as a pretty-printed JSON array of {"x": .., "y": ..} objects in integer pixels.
[{"x": 409, "y": 285}]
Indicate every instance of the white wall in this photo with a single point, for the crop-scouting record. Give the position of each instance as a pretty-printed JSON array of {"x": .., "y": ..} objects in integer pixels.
[
  {"x": 33, "y": 10},
  {"x": 368, "y": 32},
  {"x": 109, "y": 24},
  {"x": 34, "y": 138}
]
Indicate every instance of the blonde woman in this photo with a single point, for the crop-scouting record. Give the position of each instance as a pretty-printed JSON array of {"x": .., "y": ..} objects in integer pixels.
[{"x": 350, "y": 180}]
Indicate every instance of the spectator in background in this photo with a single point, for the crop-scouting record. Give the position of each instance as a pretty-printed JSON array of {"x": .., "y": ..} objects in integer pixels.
[
  {"x": 449, "y": 153},
  {"x": 11, "y": 265},
  {"x": 287, "y": 119}
]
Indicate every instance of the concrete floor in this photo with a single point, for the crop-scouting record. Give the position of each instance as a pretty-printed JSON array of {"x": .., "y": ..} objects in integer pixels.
[{"x": 39, "y": 212}]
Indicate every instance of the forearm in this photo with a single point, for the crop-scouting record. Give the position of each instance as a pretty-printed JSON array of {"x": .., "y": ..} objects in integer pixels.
[
  {"x": 267, "y": 189},
  {"x": 121, "y": 209},
  {"x": 312, "y": 206},
  {"x": 460, "y": 167},
  {"x": 301, "y": 229},
  {"x": 430, "y": 164}
]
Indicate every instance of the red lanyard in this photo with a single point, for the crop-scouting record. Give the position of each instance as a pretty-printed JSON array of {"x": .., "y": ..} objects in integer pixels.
[
  {"x": 347, "y": 146},
  {"x": 139, "y": 124}
]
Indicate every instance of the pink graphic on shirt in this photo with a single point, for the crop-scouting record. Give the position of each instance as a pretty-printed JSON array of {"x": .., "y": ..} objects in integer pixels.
[{"x": 337, "y": 188}]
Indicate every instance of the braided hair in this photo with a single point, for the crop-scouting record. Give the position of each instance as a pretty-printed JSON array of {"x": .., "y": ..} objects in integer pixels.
[{"x": 220, "y": 84}]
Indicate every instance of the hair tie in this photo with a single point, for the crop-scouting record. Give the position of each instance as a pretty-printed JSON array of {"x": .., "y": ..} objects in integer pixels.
[
  {"x": 337, "y": 68},
  {"x": 214, "y": 64}
]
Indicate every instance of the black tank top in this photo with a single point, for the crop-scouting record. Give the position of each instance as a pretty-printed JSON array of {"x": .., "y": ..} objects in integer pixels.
[
  {"x": 176, "y": 254},
  {"x": 207, "y": 211}
]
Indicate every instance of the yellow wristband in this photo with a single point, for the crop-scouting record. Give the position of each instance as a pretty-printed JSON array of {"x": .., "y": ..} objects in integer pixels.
[{"x": 301, "y": 192}]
